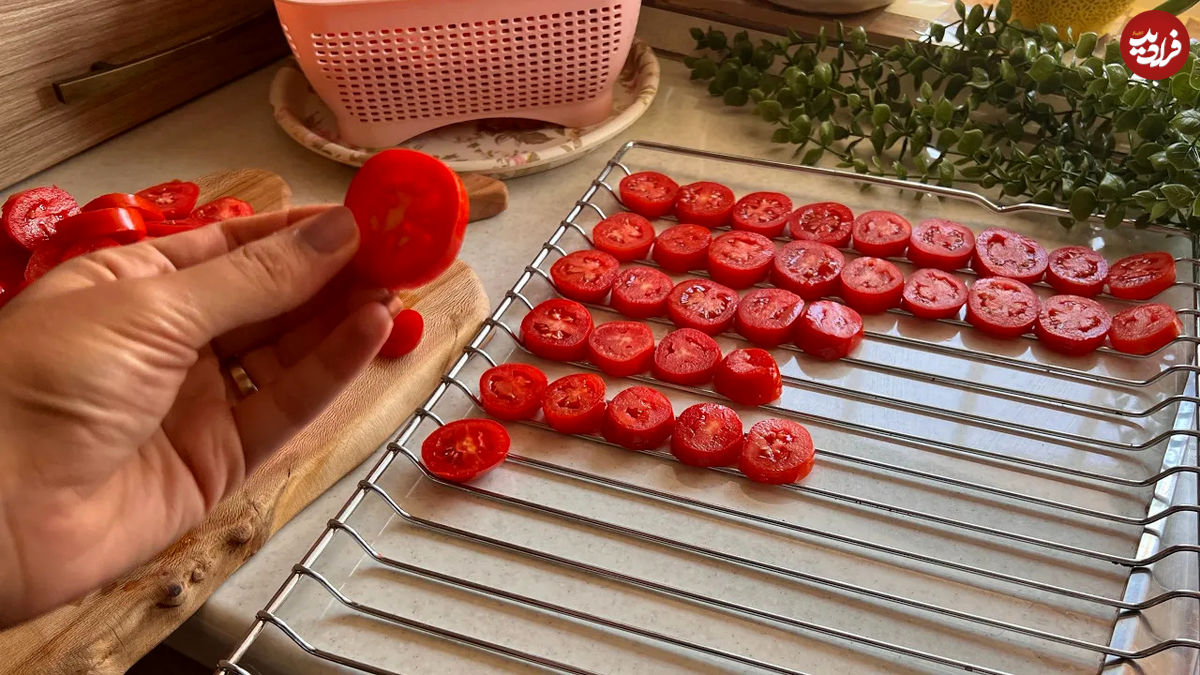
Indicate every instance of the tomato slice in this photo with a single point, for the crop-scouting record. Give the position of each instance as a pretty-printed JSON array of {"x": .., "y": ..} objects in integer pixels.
[
  {"x": 123, "y": 225},
  {"x": 166, "y": 228},
  {"x": 740, "y": 259},
  {"x": 622, "y": 348},
  {"x": 1144, "y": 329},
  {"x": 639, "y": 418},
  {"x": 881, "y": 234},
  {"x": 121, "y": 200},
  {"x": 829, "y": 330},
  {"x": 13, "y": 260},
  {"x": 512, "y": 391},
  {"x": 872, "y": 285},
  {"x": 702, "y": 304},
  {"x": 85, "y": 247},
  {"x": 575, "y": 404},
  {"x": 407, "y": 329},
  {"x": 626, "y": 236},
  {"x": 749, "y": 377},
  {"x": 1142, "y": 276},
  {"x": 175, "y": 199},
  {"x": 31, "y": 216},
  {"x": 704, "y": 203},
  {"x": 683, "y": 248},
  {"x": 1076, "y": 270},
  {"x": 648, "y": 193},
  {"x": 686, "y": 356},
  {"x": 776, "y": 452},
  {"x": 1001, "y": 253},
  {"x": 465, "y": 450},
  {"x": 411, "y": 211},
  {"x": 823, "y": 222},
  {"x": 641, "y": 292},
  {"x": 1072, "y": 324},
  {"x": 558, "y": 330},
  {"x": 768, "y": 316},
  {"x": 43, "y": 259},
  {"x": 809, "y": 269},
  {"x": 934, "y": 294},
  {"x": 585, "y": 276},
  {"x": 707, "y": 434},
  {"x": 1002, "y": 307},
  {"x": 941, "y": 244},
  {"x": 763, "y": 213},
  {"x": 221, "y": 209}
]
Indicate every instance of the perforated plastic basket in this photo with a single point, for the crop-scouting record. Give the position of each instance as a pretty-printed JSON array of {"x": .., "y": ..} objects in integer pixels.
[{"x": 392, "y": 69}]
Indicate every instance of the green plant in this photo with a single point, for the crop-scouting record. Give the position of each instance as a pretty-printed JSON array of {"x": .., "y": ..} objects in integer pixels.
[{"x": 1018, "y": 111}]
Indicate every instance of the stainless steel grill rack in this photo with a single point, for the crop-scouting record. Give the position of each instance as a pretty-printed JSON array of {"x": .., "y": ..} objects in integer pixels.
[{"x": 977, "y": 505}]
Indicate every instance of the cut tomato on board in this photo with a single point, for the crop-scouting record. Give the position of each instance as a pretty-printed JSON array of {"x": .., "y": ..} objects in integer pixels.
[
  {"x": 408, "y": 327},
  {"x": 648, "y": 193},
  {"x": 686, "y": 356},
  {"x": 585, "y": 276},
  {"x": 1002, "y": 307},
  {"x": 558, "y": 330},
  {"x": 119, "y": 200},
  {"x": 221, "y": 209},
  {"x": 626, "y": 236},
  {"x": 43, "y": 259},
  {"x": 1144, "y": 329},
  {"x": 702, "y": 304},
  {"x": 1141, "y": 276},
  {"x": 166, "y": 228},
  {"x": 809, "y": 269},
  {"x": 707, "y": 434},
  {"x": 575, "y": 404},
  {"x": 829, "y": 330},
  {"x": 123, "y": 225},
  {"x": 763, "y": 213},
  {"x": 872, "y": 285},
  {"x": 1076, "y": 270},
  {"x": 749, "y": 377},
  {"x": 31, "y": 216},
  {"x": 767, "y": 316},
  {"x": 1002, "y": 253},
  {"x": 1072, "y": 324},
  {"x": 639, "y": 418},
  {"x": 641, "y": 292},
  {"x": 704, "y": 203},
  {"x": 776, "y": 451},
  {"x": 941, "y": 244},
  {"x": 175, "y": 198},
  {"x": 740, "y": 259},
  {"x": 824, "y": 222},
  {"x": 512, "y": 391},
  {"x": 683, "y": 248},
  {"x": 933, "y": 294},
  {"x": 881, "y": 234},
  {"x": 622, "y": 348},
  {"x": 464, "y": 450}
]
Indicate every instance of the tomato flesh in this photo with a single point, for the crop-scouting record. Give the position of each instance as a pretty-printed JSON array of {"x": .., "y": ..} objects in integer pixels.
[
  {"x": 881, "y": 234},
  {"x": 763, "y": 213},
  {"x": 575, "y": 404},
  {"x": 639, "y": 418},
  {"x": 408, "y": 327},
  {"x": 1142, "y": 276},
  {"x": 1001, "y": 253},
  {"x": 704, "y": 203},
  {"x": 1072, "y": 324},
  {"x": 625, "y": 236},
  {"x": 43, "y": 259},
  {"x": 31, "y": 216},
  {"x": 464, "y": 450},
  {"x": 933, "y": 294},
  {"x": 740, "y": 259},
  {"x": 123, "y": 225},
  {"x": 941, "y": 244},
  {"x": 118, "y": 200},
  {"x": 749, "y": 377},
  {"x": 558, "y": 330},
  {"x": 767, "y": 316},
  {"x": 807, "y": 268},
  {"x": 175, "y": 199},
  {"x": 824, "y": 222},
  {"x": 166, "y": 228},
  {"x": 585, "y": 276},
  {"x": 1002, "y": 307},
  {"x": 1144, "y": 329},
  {"x": 221, "y": 209},
  {"x": 622, "y": 348},
  {"x": 829, "y": 330},
  {"x": 872, "y": 285},
  {"x": 648, "y": 193},
  {"x": 512, "y": 391},
  {"x": 686, "y": 356},
  {"x": 707, "y": 434},
  {"x": 683, "y": 248},
  {"x": 1076, "y": 270},
  {"x": 703, "y": 305},
  {"x": 641, "y": 292},
  {"x": 776, "y": 452}
]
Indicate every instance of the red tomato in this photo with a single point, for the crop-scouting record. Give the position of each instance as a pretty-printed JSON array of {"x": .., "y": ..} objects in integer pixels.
[
  {"x": 123, "y": 225},
  {"x": 1076, "y": 270},
  {"x": 464, "y": 450},
  {"x": 85, "y": 247},
  {"x": 1002, "y": 307},
  {"x": 557, "y": 330},
  {"x": 1072, "y": 324},
  {"x": 941, "y": 244},
  {"x": 43, "y": 259},
  {"x": 762, "y": 212},
  {"x": 120, "y": 200},
  {"x": 809, "y": 269},
  {"x": 740, "y": 259},
  {"x": 411, "y": 211},
  {"x": 1001, "y": 253},
  {"x": 641, "y": 292},
  {"x": 648, "y": 193},
  {"x": 683, "y": 248},
  {"x": 702, "y": 304},
  {"x": 175, "y": 199},
  {"x": 585, "y": 276},
  {"x": 627, "y": 236},
  {"x": 829, "y": 330},
  {"x": 639, "y": 418},
  {"x": 768, "y": 316},
  {"x": 13, "y": 260},
  {"x": 749, "y": 377},
  {"x": 407, "y": 329},
  {"x": 622, "y": 348},
  {"x": 872, "y": 285},
  {"x": 707, "y": 434},
  {"x": 934, "y": 294},
  {"x": 166, "y": 228},
  {"x": 776, "y": 452},
  {"x": 513, "y": 391},
  {"x": 31, "y": 216},
  {"x": 222, "y": 209},
  {"x": 881, "y": 234},
  {"x": 704, "y": 203},
  {"x": 575, "y": 404},
  {"x": 1144, "y": 329},
  {"x": 686, "y": 356},
  {"x": 824, "y": 222},
  {"x": 1142, "y": 276}
]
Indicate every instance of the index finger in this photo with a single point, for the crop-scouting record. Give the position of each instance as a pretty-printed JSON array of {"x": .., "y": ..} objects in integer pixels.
[{"x": 205, "y": 243}]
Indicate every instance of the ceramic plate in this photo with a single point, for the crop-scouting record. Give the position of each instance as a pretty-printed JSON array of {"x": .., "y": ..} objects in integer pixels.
[{"x": 504, "y": 148}]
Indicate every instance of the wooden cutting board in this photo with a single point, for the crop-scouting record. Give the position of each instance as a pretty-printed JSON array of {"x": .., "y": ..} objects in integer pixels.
[{"x": 110, "y": 629}]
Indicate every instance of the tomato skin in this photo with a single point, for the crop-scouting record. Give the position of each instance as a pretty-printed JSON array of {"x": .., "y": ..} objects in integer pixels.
[
  {"x": 933, "y": 294},
  {"x": 1076, "y": 270},
  {"x": 767, "y": 316},
  {"x": 686, "y": 356},
  {"x": 575, "y": 404},
  {"x": 175, "y": 199},
  {"x": 557, "y": 330},
  {"x": 941, "y": 244},
  {"x": 1002, "y": 307},
  {"x": 683, "y": 248},
  {"x": 776, "y": 452},
  {"x": 123, "y": 225},
  {"x": 704, "y": 203},
  {"x": 1072, "y": 324},
  {"x": 648, "y": 193},
  {"x": 120, "y": 200},
  {"x": 585, "y": 276},
  {"x": 1003, "y": 253},
  {"x": 872, "y": 285},
  {"x": 823, "y": 222},
  {"x": 881, "y": 234},
  {"x": 749, "y": 377},
  {"x": 408, "y": 327},
  {"x": 43, "y": 259},
  {"x": 641, "y": 292},
  {"x": 166, "y": 228},
  {"x": 829, "y": 330},
  {"x": 622, "y": 348},
  {"x": 1144, "y": 329},
  {"x": 465, "y": 449},
  {"x": 740, "y": 259},
  {"x": 512, "y": 391},
  {"x": 639, "y": 418},
  {"x": 626, "y": 236},
  {"x": 221, "y": 209},
  {"x": 702, "y": 304},
  {"x": 763, "y": 213},
  {"x": 31, "y": 216},
  {"x": 707, "y": 434},
  {"x": 1141, "y": 276}
]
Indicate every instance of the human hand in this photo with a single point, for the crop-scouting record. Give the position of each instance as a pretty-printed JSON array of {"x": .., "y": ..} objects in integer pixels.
[{"x": 119, "y": 426}]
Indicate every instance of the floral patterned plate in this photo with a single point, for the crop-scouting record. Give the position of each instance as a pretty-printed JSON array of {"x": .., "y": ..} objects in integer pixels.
[{"x": 504, "y": 148}]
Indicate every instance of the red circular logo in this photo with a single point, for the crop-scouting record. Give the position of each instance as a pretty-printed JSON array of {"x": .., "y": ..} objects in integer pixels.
[{"x": 1155, "y": 44}]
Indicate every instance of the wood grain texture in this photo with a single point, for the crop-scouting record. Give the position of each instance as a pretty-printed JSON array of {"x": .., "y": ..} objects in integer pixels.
[{"x": 110, "y": 629}]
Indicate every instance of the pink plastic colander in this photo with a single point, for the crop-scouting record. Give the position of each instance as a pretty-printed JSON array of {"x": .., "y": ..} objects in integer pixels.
[{"x": 392, "y": 69}]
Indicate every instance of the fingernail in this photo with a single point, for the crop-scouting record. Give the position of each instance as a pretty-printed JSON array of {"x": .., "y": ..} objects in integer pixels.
[
  {"x": 394, "y": 304},
  {"x": 329, "y": 231}
]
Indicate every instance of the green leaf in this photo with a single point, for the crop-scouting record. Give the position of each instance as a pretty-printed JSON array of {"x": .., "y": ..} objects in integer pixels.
[
  {"x": 822, "y": 75},
  {"x": 736, "y": 96},
  {"x": 946, "y": 139},
  {"x": 1178, "y": 196},
  {"x": 1083, "y": 203},
  {"x": 1048, "y": 33},
  {"x": 1187, "y": 123},
  {"x": 802, "y": 126},
  {"x": 960, "y": 8},
  {"x": 937, "y": 31},
  {"x": 1111, "y": 186},
  {"x": 770, "y": 110},
  {"x": 1043, "y": 67},
  {"x": 943, "y": 112},
  {"x": 1180, "y": 156},
  {"x": 781, "y": 135},
  {"x": 881, "y": 114},
  {"x": 1008, "y": 73},
  {"x": 825, "y": 133},
  {"x": 1145, "y": 198},
  {"x": 1117, "y": 75},
  {"x": 1152, "y": 126},
  {"x": 1159, "y": 210},
  {"x": 703, "y": 69},
  {"x": 1003, "y": 11},
  {"x": 813, "y": 156},
  {"x": 945, "y": 174},
  {"x": 1114, "y": 216},
  {"x": 970, "y": 142},
  {"x": 1112, "y": 52},
  {"x": 716, "y": 39},
  {"x": 697, "y": 34},
  {"x": 1196, "y": 207},
  {"x": 1086, "y": 45},
  {"x": 975, "y": 17}
]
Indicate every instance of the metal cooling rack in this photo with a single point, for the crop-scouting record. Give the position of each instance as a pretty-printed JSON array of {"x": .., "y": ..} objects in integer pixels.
[{"x": 976, "y": 505}]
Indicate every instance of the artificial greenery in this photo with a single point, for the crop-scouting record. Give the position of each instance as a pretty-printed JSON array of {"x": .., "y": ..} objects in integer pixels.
[{"x": 981, "y": 101}]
